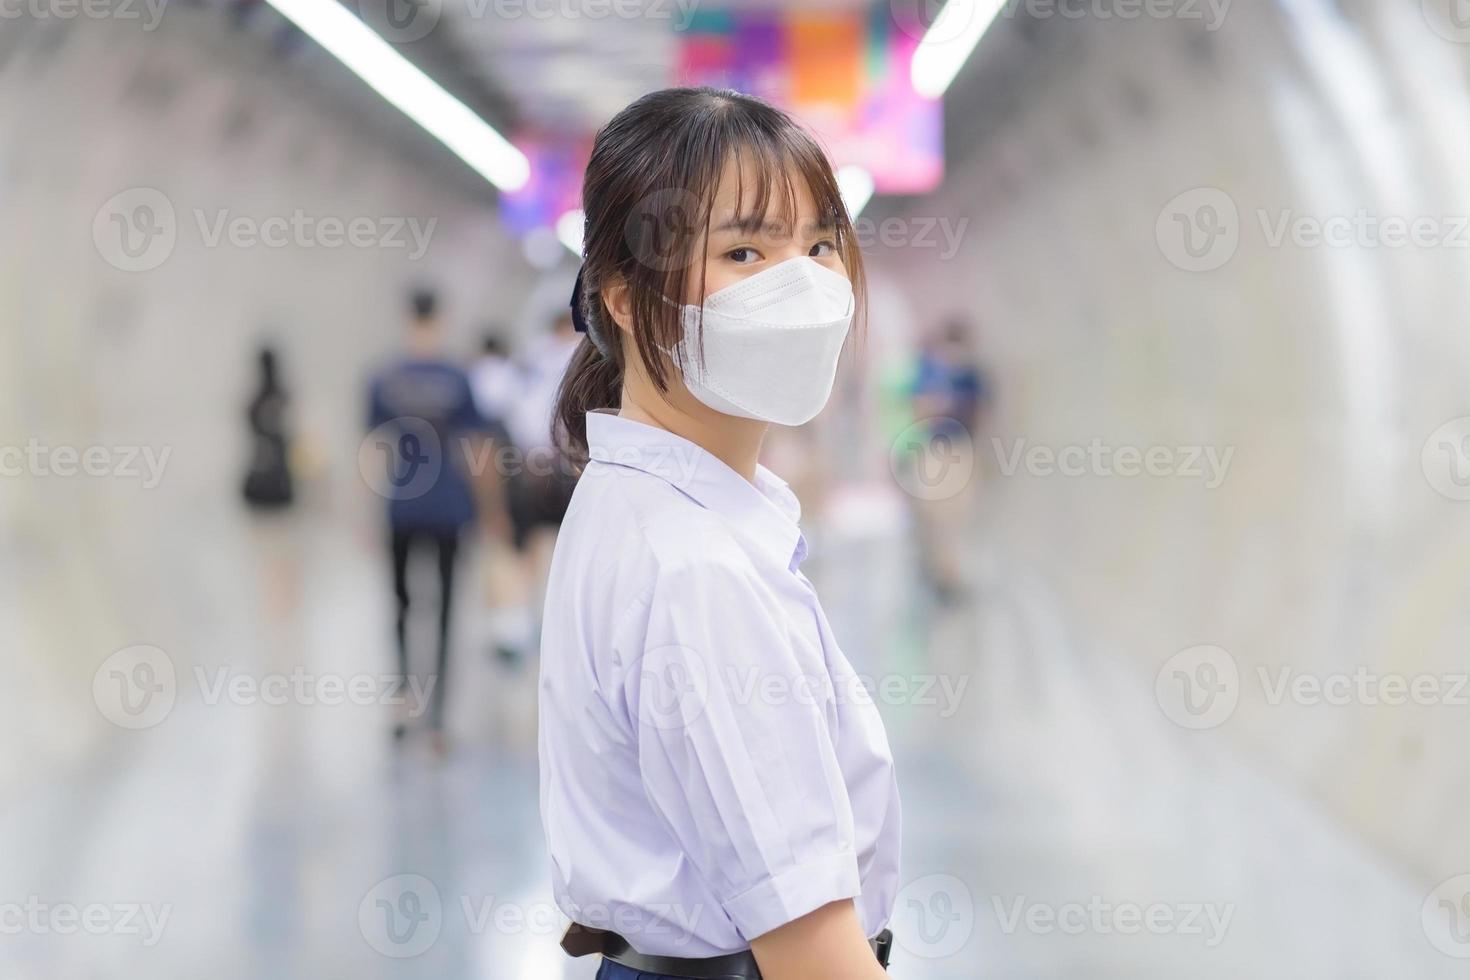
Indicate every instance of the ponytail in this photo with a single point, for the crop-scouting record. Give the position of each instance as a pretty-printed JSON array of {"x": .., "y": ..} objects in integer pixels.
[{"x": 592, "y": 381}]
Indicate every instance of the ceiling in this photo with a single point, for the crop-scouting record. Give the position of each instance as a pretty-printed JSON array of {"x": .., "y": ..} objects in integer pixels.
[{"x": 564, "y": 69}]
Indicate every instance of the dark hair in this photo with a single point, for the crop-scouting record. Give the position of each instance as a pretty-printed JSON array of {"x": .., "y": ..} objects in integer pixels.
[
  {"x": 647, "y": 196},
  {"x": 422, "y": 303}
]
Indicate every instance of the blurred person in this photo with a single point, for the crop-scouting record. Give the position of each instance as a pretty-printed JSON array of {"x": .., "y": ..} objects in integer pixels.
[
  {"x": 494, "y": 377},
  {"x": 268, "y": 484},
  {"x": 949, "y": 395},
  {"x": 425, "y": 403},
  {"x": 269, "y": 492},
  {"x": 540, "y": 485},
  {"x": 678, "y": 564}
]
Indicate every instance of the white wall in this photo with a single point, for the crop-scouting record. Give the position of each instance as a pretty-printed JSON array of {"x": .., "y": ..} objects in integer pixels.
[
  {"x": 162, "y": 360},
  {"x": 1326, "y": 548}
]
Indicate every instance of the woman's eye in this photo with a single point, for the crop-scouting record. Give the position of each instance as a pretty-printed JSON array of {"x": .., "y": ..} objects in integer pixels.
[
  {"x": 823, "y": 249},
  {"x": 742, "y": 255}
]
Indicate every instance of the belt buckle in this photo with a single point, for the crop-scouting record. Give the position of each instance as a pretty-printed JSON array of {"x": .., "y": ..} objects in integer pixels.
[{"x": 883, "y": 946}]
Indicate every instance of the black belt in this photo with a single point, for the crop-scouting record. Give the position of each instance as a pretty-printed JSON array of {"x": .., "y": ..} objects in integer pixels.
[{"x": 581, "y": 940}]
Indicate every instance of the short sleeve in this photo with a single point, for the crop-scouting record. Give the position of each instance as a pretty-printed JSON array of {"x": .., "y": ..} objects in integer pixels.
[{"x": 735, "y": 748}]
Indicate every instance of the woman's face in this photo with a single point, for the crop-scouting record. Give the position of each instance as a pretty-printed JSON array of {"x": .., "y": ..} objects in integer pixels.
[{"x": 737, "y": 248}]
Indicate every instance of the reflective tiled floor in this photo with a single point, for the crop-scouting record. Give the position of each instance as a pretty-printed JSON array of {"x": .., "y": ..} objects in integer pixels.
[{"x": 1056, "y": 825}]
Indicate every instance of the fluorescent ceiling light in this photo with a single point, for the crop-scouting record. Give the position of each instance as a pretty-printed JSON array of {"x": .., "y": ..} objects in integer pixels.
[
  {"x": 948, "y": 42},
  {"x": 856, "y": 185},
  {"x": 419, "y": 97},
  {"x": 569, "y": 230}
]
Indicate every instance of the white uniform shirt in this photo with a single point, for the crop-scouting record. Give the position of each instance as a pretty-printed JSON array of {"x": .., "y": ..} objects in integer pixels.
[{"x": 711, "y": 767}]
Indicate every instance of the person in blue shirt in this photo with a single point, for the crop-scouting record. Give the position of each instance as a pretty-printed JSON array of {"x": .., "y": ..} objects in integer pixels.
[{"x": 427, "y": 433}]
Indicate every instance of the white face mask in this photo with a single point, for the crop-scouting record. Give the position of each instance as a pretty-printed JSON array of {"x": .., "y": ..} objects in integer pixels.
[{"x": 770, "y": 343}]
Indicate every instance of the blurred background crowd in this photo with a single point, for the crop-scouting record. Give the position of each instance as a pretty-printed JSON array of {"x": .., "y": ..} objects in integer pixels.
[{"x": 1140, "y": 505}]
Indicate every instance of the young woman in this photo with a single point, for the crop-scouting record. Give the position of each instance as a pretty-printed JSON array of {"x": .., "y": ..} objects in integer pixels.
[{"x": 717, "y": 790}]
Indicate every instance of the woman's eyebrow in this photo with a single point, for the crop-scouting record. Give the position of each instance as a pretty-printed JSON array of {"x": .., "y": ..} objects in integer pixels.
[{"x": 749, "y": 224}]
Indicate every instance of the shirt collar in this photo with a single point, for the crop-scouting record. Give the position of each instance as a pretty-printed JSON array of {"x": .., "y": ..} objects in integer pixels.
[{"x": 765, "y": 513}]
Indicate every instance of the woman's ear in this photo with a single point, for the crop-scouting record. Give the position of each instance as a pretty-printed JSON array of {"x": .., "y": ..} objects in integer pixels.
[{"x": 618, "y": 299}]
